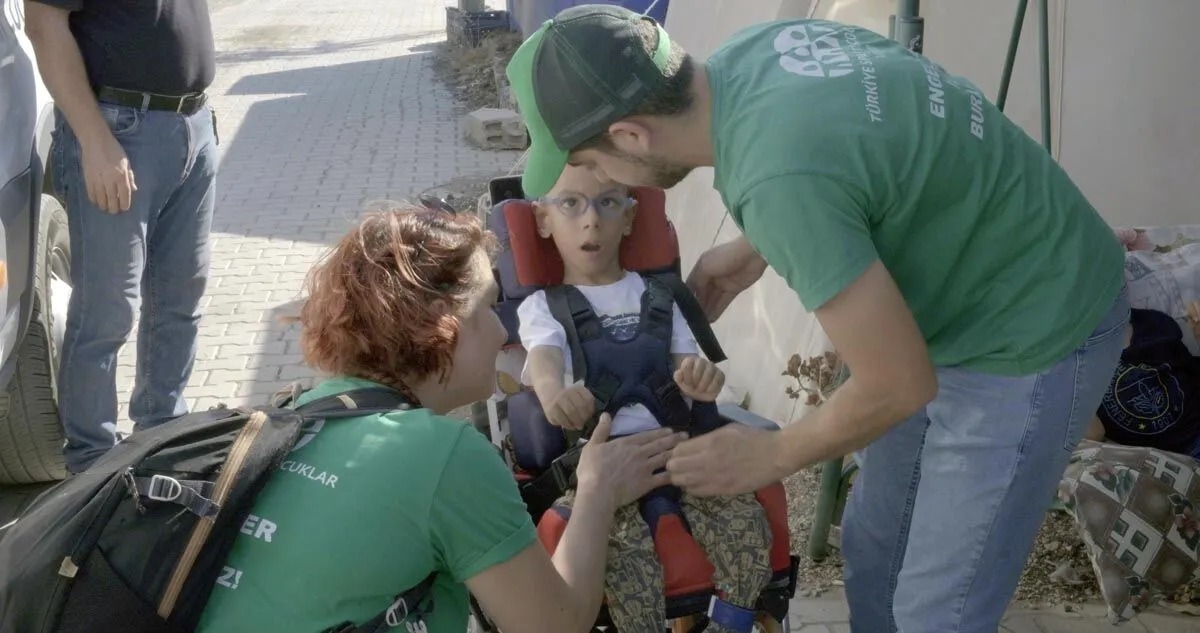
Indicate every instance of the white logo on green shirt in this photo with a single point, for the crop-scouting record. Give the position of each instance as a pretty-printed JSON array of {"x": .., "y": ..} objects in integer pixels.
[{"x": 812, "y": 51}]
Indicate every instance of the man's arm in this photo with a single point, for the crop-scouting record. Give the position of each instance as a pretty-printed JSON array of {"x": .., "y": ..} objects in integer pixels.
[
  {"x": 109, "y": 179},
  {"x": 62, "y": 69},
  {"x": 891, "y": 376}
]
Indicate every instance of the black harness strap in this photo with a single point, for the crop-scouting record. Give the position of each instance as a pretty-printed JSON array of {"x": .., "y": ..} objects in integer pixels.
[
  {"x": 558, "y": 301},
  {"x": 657, "y": 309},
  {"x": 690, "y": 308}
]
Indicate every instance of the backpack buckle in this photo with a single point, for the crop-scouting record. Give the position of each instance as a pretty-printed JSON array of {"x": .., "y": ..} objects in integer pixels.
[
  {"x": 164, "y": 488},
  {"x": 397, "y": 613}
]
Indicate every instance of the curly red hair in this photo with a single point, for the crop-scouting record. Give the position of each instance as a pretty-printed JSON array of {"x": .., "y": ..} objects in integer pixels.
[{"x": 386, "y": 303}]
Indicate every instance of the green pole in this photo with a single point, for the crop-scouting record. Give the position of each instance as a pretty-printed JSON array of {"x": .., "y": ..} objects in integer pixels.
[
  {"x": 1014, "y": 40},
  {"x": 1044, "y": 53},
  {"x": 827, "y": 502},
  {"x": 907, "y": 26}
]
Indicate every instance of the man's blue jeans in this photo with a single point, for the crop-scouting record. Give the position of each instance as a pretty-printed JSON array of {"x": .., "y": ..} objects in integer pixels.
[
  {"x": 154, "y": 256},
  {"x": 944, "y": 512}
]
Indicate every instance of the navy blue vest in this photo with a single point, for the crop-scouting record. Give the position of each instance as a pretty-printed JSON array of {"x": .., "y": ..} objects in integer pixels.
[{"x": 636, "y": 370}]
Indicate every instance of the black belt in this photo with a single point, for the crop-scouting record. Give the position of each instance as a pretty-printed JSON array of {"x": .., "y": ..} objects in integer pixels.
[{"x": 186, "y": 104}]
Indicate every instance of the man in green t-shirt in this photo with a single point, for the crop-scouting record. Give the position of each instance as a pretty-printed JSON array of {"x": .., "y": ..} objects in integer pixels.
[{"x": 974, "y": 293}]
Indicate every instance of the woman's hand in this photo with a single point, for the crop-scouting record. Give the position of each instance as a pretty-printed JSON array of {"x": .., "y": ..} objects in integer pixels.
[
  {"x": 624, "y": 467},
  {"x": 723, "y": 272}
]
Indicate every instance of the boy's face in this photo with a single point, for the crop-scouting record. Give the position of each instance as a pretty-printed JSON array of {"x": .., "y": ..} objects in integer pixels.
[{"x": 587, "y": 221}]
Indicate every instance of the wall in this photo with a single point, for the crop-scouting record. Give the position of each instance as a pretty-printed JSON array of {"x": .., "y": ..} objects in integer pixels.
[
  {"x": 1121, "y": 77},
  {"x": 527, "y": 15}
]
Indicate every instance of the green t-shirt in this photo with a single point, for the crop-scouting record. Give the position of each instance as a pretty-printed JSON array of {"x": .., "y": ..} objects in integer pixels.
[
  {"x": 836, "y": 147},
  {"x": 362, "y": 509}
]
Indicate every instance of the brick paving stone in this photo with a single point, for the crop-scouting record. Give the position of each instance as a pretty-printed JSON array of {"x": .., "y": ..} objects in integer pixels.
[{"x": 323, "y": 107}]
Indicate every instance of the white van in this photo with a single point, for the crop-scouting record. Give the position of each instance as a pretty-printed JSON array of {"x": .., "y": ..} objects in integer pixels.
[{"x": 35, "y": 271}]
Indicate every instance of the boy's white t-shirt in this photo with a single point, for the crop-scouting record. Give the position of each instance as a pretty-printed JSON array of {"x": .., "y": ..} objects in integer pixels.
[{"x": 619, "y": 307}]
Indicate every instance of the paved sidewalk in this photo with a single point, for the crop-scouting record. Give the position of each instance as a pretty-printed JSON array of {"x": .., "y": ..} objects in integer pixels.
[
  {"x": 322, "y": 107},
  {"x": 828, "y": 614}
]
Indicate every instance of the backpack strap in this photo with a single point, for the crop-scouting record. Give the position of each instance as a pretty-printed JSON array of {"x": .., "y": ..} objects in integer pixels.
[
  {"x": 690, "y": 308},
  {"x": 356, "y": 403},
  {"x": 417, "y": 602}
]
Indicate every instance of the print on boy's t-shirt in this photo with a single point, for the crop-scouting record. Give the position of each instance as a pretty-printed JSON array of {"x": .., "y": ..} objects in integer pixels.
[{"x": 619, "y": 307}]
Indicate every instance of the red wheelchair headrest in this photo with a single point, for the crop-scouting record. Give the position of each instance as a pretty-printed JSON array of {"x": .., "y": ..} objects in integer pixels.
[{"x": 650, "y": 246}]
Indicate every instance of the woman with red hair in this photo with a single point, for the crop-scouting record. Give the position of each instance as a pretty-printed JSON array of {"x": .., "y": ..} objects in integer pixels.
[{"x": 366, "y": 508}]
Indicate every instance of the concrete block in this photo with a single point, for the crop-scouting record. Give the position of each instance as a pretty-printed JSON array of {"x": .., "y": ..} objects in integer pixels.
[{"x": 496, "y": 128}]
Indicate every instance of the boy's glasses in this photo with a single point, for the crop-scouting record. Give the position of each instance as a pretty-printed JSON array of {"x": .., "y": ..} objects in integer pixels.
[{"x": 608, "y": 205}]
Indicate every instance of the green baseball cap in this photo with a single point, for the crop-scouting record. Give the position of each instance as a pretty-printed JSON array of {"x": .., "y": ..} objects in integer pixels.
[{"x": 583, "y": 70}]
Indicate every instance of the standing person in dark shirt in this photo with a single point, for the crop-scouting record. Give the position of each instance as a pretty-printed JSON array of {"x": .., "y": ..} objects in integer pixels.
[{"x": 135, "y": 160}]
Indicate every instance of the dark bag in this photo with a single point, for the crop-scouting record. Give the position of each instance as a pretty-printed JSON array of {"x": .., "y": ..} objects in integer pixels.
[{"x": 136, "y": 542}]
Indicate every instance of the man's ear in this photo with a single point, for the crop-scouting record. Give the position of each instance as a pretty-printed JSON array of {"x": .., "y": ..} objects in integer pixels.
[
  {"x": 630, "y": 216},
  {"x": 630, "y": 136}
]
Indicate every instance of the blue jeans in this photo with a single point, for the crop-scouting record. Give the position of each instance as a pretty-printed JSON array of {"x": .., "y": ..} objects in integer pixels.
[
  {"x": 155, "y": 257},
  {"x": 945, "y": 509}
]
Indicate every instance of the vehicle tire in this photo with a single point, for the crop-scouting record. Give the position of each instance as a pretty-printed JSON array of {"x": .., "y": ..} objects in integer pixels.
[{"x": 31, "y": 436}]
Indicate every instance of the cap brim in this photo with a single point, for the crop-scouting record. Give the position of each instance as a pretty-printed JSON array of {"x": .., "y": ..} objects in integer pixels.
[
  {"x": 546, "y": 160},
  {"x": 542, "y": 169}
]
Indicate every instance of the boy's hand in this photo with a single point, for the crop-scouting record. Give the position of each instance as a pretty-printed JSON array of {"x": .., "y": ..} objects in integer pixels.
[
  {"x": 572, "y": 407},
  {"x": 699, "y": 379}
]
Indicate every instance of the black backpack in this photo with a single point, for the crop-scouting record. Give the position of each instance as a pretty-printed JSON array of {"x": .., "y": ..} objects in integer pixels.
[{"x": 136, "y": 542}]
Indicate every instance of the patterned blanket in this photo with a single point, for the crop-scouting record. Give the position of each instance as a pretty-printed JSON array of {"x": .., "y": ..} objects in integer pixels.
[{"x": 1138, "y": 509}]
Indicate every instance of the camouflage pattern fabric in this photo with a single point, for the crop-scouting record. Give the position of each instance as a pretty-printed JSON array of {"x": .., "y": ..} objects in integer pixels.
[{"x": 732, "y": 531}]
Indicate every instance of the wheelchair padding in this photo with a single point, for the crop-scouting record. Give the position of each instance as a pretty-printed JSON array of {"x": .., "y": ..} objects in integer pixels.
[
  {"x": 527, "y": 261},
  {"x": 686, "y": 569},
  {"x": 535, "y": 442}
]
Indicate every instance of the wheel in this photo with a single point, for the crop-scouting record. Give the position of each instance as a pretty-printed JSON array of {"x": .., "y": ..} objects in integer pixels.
[{"x": 31, "y": 436}]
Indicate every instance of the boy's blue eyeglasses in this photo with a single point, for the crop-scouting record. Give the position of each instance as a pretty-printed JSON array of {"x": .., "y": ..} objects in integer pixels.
[{"x": 608, "y": 205}]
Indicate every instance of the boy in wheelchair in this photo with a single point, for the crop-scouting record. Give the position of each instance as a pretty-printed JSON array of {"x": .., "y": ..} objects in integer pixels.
[{"x": 606, "y": 339}]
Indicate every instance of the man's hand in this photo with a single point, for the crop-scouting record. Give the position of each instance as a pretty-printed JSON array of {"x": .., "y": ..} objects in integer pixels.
[
  {"x": 109, "y": 177},
  {"x": 106, "y": 171},
  {"x": 699, "y": 379},
  {"x": 722, "y": 273},
  {"x": 571, "y": 407},
  {"x": 730, "y": 460}
]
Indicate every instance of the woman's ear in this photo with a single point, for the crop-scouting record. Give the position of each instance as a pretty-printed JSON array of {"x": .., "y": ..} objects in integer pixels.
[{"x": 630, "y": 216}]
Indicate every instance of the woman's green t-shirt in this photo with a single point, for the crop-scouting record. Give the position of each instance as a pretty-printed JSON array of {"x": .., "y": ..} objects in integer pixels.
[{"x": 362, "y": 509}]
